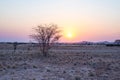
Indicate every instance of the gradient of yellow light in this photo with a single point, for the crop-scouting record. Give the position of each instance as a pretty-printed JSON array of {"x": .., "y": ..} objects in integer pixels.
[{"x": 70, "y": 34}]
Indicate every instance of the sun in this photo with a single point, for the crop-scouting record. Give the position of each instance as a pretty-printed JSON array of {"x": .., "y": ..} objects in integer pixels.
[{"x": 69, "y": 35}]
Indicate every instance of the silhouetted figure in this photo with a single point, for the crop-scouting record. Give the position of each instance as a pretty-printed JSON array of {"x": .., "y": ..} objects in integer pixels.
[{"x": 15, "y": 46}]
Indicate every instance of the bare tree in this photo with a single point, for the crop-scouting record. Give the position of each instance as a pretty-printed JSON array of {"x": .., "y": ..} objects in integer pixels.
[{"x": 46, "y": 36}]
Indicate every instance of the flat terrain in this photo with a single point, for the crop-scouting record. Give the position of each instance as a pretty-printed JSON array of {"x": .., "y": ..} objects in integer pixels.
[{"x": 84, "y": 62}]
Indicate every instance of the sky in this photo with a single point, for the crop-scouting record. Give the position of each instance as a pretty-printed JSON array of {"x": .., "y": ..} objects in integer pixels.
[{"x": 80, "y": 20}]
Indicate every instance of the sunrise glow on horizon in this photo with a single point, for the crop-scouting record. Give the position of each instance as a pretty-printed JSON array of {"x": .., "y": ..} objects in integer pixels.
[{"x": 79, "y": 20}]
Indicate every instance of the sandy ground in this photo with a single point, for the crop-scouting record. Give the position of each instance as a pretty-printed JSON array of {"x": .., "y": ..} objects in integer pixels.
[{"x": 89, "y": 62}]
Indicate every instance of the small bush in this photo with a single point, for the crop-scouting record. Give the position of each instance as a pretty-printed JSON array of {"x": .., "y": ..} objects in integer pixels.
[
  {"x": 77, "y": 78},
  {"x": 48, "y": 70},
  {"x": 91, "y": 74},
  {"x": 34, "y": 66}
]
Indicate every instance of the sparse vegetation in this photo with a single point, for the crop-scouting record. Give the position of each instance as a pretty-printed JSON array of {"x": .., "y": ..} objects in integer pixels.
[
  {"x": 15, "y": 46},
  {"x": 64, "y": 63},
  {"x": 77, "y": 78},
  {"x": 46, "y": 36}
]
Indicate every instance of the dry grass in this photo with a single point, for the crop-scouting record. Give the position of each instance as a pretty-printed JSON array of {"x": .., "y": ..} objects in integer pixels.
[{"x": 63, "y": 63}]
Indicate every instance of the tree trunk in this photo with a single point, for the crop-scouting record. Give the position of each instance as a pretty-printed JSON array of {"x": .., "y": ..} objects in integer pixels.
[{"x": 44, "y": 52}]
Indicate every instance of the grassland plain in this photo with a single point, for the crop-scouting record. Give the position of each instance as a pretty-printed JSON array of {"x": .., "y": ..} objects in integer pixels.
[{"x": 83, "y": 62}]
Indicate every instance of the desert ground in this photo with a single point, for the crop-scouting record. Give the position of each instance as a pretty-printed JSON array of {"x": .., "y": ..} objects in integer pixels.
[{"x": 81, "y": 62}]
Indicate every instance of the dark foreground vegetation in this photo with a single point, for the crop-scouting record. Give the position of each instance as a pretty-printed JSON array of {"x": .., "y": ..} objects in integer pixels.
[{"x": 112, "y": 45}]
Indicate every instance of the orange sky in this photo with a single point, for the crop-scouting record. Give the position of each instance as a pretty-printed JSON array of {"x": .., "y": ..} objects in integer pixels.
[{"x": 80, "y": 20}]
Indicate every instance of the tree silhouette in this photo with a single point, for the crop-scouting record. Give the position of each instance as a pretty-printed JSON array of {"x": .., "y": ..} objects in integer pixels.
[{"x": 46, "y": 36}]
